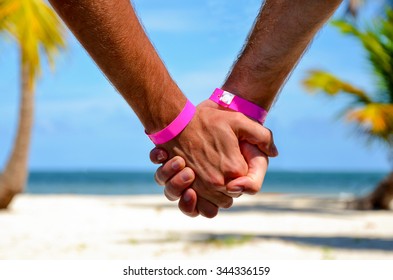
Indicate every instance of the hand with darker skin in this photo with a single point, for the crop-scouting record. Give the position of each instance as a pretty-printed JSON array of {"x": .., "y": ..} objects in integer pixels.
[
  {"x": 178, "y": 179},
  {"x": 238, "y": 168}
]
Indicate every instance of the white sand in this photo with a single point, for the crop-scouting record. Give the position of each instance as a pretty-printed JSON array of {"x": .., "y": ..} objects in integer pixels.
[{"x": 266, "y": 226}]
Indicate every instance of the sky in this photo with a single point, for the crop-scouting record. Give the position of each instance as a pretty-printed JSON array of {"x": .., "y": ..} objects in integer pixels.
[{"x": 82, "y": 123}]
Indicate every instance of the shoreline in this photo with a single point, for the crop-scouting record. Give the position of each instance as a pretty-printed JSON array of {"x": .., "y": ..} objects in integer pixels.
[
  {"x": 265, "y": 226},
  {"x": 337, "y": 184}
]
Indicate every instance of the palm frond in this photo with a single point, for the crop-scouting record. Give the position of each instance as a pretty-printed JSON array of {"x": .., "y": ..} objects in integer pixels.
[
  {"x": 353, "y": 7},
  {"x": 35, "y": 27},
  {"x": 378, "y": 43},
  {"x": 375, "y": 119},
  {"x": 320, "y": 81},
  {"x": 372, "y": 114}
]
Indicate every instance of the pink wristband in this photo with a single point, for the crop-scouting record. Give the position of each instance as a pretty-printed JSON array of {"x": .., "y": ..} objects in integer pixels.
[
  {"x": 236, "y": 103},
  {"x": 175, "y": 127}
]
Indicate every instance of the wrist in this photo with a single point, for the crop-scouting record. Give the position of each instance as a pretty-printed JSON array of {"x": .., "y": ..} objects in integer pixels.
[
  {"x": 259, "y": 90},
  {"x": 156, "y": 102},
  {"x": 175, "y": 127}
]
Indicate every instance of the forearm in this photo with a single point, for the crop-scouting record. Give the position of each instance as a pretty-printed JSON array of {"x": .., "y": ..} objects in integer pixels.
[
  {"x": 111, "y": 33},
  {"x": 281, "y": 33}
]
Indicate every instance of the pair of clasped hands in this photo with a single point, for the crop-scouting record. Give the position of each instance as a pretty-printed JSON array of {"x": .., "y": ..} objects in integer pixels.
[{"x": 219, "y": 156}]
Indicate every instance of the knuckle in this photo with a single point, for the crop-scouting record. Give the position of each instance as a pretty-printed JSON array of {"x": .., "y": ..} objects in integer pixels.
[
  {"x": 234, "y": 168},
  {"x": 238, "y": 117},
  {"x": 241, "y": 165},
  {"x": 217, "y": 180}
]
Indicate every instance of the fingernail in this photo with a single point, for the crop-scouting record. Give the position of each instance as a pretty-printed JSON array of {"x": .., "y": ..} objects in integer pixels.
[
  {"x": 160, "y": 157},
  {"x": 186, "y": 197},
  {"x": 185, "y": 176},
  {"x": 176, "y": 165},
  {"x": 236, "y": 189}
]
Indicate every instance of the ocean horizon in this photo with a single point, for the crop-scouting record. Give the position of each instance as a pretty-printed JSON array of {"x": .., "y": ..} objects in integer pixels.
[{"x": 323, "y": 183}]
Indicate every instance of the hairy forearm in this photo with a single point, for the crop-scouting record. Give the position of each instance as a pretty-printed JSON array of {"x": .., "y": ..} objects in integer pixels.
[
  {"x": 111, "y": 33},
  {"x": 281, "y": 33}
]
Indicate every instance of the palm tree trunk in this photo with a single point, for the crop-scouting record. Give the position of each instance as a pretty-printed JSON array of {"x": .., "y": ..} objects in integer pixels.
[
  {"x": 15, "y": 174},
  {"x": 379, "y": 199}
]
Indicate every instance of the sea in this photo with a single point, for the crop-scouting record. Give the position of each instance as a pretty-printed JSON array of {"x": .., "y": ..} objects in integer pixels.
[{"x": 332, "y": 184}]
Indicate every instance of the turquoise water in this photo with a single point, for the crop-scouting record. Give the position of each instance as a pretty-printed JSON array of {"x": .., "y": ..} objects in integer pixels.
[{"x": 131, "y": 183}]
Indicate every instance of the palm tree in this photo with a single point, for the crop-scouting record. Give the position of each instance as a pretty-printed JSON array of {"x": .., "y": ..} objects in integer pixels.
[
  {"x": 353, "y": 6},
  {"x": 371, "y": 112},
  {"x": 37, "y": 30}
]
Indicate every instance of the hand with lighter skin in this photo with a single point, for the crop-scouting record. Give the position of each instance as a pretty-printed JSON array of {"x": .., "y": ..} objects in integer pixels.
[
  {"x": 211, "y": 144},
  {"x": 280, "y": 35}
]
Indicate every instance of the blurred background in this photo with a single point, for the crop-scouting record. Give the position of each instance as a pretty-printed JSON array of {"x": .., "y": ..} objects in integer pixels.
[
  {"x": 81, "y": 123},
  {"x": 86, "y": 140}
]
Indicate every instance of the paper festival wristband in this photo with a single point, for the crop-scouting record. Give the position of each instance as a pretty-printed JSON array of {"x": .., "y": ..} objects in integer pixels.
[
  {"x": 175, "y": 127},
  {"x": 236, "y": 103}
]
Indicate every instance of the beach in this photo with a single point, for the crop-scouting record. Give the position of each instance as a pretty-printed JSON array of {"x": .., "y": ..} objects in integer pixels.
[{"x": 265, "y": 226}]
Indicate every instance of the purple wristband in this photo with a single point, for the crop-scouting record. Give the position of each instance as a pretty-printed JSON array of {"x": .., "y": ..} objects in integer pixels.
[
  {"x": 236, "y": 103},
  {"x": 175, "y": 127}
]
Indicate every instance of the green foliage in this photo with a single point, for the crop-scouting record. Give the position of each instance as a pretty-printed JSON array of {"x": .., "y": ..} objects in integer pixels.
[
  {"x": 378, "y": 43},
  {"x": 372, "y": 112},
  {"x": 35, "y": 27},
  {"x": 229, "y": 241},
  {"x": 353, "y": 6},
  {"x": 332, "y": 85}
]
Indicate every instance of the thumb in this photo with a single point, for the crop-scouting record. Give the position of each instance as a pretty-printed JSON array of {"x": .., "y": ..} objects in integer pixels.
[
  {"x": 254, "y": 133},
  {"x": 257, "y": 167}
]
